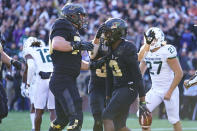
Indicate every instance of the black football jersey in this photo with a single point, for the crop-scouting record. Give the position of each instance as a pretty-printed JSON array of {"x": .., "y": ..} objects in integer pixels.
[
  {"x": 97, "y": 76},
  {"x": 123, "y": 68},
  {"x": 66, "y": 62}
]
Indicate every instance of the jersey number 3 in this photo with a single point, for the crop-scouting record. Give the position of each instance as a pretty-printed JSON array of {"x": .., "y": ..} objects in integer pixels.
[
  {"x": 45, "y": 56},
  {"x": 115, "y": 68}
]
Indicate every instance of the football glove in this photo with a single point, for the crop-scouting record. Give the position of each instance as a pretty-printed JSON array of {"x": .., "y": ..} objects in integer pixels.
[
  {"x": 82, "y": 45},
  {"x": 98, "y": 63},
  {"x": 100, "y": 31},
  {"x": 16, "y": 64},
  {"x": 151, "y": 36},
  {"x": 24, "y": 90},
  {"x": 191, "y": 82},
  {"x": 145, "y": 116}
]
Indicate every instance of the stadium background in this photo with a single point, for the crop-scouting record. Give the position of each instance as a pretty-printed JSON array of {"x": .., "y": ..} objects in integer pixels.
[{"x": 20, "y": 19}]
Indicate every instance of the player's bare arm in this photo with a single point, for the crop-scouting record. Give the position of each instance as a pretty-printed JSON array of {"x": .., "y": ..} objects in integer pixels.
[
  {"x": 31, "y": 68},
  {"x": 178, "y": 74},
  {"x": 96, "y": 42},
  {"x": 5, "y": 58},
  {"x": 60, "y": 44},
  {"x": 143, "y": 50}
]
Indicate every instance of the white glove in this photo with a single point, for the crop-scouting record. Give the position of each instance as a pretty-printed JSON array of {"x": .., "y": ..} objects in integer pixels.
[{"x": 24, "y": 90}]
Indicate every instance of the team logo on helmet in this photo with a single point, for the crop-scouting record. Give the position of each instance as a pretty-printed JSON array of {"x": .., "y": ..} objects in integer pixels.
[{"x": 115, "y": 25}]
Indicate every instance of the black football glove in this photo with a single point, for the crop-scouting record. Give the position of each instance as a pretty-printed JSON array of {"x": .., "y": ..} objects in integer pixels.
[
  {"x": 16, "y": 64},
  {"x": 98, "y": 63},
  {"x": 151, "y": 36},
  {"x": 82, "y": 45},
  {"x": 143, "y": 110},
  {"x": 100, "y": 31}
]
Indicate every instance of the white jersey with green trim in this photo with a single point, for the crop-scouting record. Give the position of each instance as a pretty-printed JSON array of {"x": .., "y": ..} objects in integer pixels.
[
  {"x": 42, "y": 58},
  {"x": 161, "y": 73}
]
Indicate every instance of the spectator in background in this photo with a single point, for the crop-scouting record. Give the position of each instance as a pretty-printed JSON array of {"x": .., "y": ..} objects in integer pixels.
[
  {"x": 18, "y": 32},
  {"x": 24, "y": 37},
  {"x": 189, "y": 39},
  {"x": 17, "y": 80}
]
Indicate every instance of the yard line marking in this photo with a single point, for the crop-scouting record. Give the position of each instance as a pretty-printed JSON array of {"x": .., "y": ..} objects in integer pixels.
[{"x": 139, "y": 129}]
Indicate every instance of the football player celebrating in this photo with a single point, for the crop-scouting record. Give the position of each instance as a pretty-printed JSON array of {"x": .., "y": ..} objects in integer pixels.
[
  {"x": 38, "y": 58},
  {"x": 124, "y": 80},
  {"x": 165, "y": 72},
  {"x": 97, "y": 79},
  {"x": 66, "y": 47},
  {"x": 191, "y": 82}
]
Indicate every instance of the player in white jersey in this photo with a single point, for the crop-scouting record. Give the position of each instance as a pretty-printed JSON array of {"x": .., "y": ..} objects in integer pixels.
[
  {"x": 165, "y": 72},
  {"x": 39, "y": 63},
  {"x": 28, "y": 91}
]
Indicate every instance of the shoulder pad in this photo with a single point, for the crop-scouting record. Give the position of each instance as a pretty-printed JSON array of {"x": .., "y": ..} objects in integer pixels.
[
  {"x": 62, "y": 24},
  {"x": 170, "y": 51}
]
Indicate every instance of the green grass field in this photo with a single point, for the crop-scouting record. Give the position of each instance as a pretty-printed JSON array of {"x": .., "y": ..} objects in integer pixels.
[{"x": 20, "y": 121}]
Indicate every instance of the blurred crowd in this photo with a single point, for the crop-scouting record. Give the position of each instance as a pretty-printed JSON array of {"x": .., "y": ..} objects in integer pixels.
[{"x": 20, "y": 19}]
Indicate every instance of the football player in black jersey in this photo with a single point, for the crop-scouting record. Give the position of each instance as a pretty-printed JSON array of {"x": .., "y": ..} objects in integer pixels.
[
  {"x": 124, "y": 80},
  {"x": 66, "y": 47},
  {"x": 96, "y": 86}
]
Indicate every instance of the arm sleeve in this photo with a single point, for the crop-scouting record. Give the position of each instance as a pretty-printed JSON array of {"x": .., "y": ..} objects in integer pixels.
[
  {"x": 30, "y": 70},
  {"x": 131, "y": 59},
  {"x": 109, "y": 80}
]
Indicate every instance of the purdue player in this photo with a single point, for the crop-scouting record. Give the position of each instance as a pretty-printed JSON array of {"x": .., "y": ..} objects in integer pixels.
[
  {"x": 66, "y": 47},
  {"x": 39, "y": 63},
  {"x": 124, "y": 80},
  {"x": 96, "y": 88},
  {"x": 165, "y": 72}
]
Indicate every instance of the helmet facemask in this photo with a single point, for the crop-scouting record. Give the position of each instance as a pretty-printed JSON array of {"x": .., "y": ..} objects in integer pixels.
[
  {"x": 113, "y": 35},
  {"x": 79, "y": 19}
]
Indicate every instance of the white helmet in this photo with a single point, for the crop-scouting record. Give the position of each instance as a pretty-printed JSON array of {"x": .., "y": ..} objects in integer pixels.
[
  {"x": 159, "y": 37},
  {"x": 28, "y": 43}
]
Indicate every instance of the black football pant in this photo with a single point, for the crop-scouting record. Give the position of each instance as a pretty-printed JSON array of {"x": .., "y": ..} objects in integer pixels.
[
  {"x": 68, "y": 103},
  {"x": 119, "y": 105},
  {"x": 97, "y": 103}
]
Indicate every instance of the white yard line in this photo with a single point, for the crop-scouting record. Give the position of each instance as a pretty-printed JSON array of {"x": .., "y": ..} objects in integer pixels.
[{"x": 153, "y": 129}]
